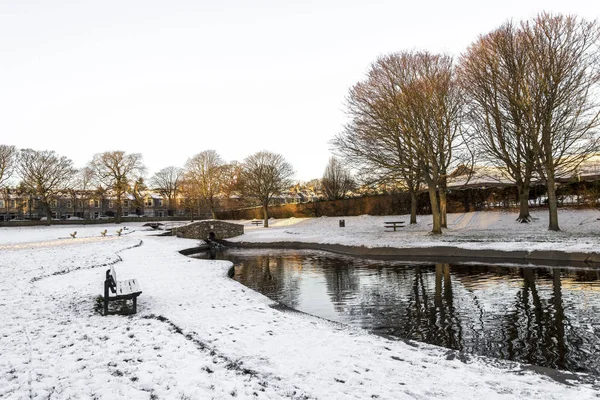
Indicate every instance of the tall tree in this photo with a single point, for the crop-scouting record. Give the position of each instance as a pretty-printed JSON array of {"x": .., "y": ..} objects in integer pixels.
[
  {"x": 137, "y": 195},
  {"x": 563, "y": 111},
  {"x": 168, "y": 183},
  {"x": 373, "y": 142},
  {"x": 337, "y": 180},
  {"x": 405, "y": 125},
  {"x": 264, "y": 175},
  {"x": 117, "y": 171},
  {"x": 230, "y": 177},
  {"x": 45, "y": 173},
  {"x": 493, "y": 75},
  {"x": 8, "y": 158},
  {"x": 432, "y": 108},
  {"x": 190, "y": 194},
  {"x": 204, "y": 170}
]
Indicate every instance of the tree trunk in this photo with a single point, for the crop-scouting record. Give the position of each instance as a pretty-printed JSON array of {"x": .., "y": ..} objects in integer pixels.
[
  {"x": 413, "y": 206},
  {"x": 443, "y": 207},
  {"x": 435, "y": 211},
  {"x": 48, "y": 210},
  {"x": 266, "y": 215},
  {"x": 524, "y": 215},
  {"x": 119, "y": 208},
  {"x": 552, "y": 204}
]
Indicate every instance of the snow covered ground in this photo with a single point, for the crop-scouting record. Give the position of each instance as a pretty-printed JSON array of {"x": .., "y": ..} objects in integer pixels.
[
  {"x": 580, "y": 231},
  {"x": 200, "y": 335}
]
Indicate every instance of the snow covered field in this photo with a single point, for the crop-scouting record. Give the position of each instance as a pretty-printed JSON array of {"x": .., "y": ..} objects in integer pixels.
[
  {"x": 200, "y": 335},
  {"x": 580, "y": 231}
]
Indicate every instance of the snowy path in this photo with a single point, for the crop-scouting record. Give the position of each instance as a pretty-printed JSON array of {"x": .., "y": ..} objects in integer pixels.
[{"x": 55, "y": 345}]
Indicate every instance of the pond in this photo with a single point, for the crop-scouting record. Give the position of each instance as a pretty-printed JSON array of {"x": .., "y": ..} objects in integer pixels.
[{"x": 544, "y": 316}]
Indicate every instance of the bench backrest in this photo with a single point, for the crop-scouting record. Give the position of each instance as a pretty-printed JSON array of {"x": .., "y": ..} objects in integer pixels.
[{"x": 111, "y": 279}]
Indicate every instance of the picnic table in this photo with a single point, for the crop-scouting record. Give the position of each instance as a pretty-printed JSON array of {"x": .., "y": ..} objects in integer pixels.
[{"x": 394, "y": 224}]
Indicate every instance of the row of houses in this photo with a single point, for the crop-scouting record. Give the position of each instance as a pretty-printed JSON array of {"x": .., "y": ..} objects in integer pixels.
[
  {"x": 92, "y": 205},
  {"x": 14, "y": 205}
]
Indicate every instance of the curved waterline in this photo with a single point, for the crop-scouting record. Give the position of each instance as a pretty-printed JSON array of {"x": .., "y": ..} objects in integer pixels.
[
  {"x": 509, "y": 311},
  {"x": 447, "y": 254}
]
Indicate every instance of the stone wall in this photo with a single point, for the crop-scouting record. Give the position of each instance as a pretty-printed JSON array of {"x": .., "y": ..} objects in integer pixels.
[{"x": 202, "y": 229}]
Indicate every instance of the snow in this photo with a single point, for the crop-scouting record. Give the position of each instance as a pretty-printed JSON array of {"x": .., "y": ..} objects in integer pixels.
[
  {"x": 493, "y": 230},
  {"x": 201, "y": 335}
]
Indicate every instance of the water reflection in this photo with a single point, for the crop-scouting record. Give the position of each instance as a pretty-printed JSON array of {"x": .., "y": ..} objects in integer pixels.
[{"x": 543, "y": 316}]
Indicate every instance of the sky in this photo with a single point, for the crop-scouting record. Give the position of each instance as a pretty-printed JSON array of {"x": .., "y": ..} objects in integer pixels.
[{"x": 171, "y": 79}]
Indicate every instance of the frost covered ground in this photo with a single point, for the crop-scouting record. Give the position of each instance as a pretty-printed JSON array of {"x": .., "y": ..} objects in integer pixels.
[
  {"x": 200, "y": 335},
  {"x": 580, "y": 231}
]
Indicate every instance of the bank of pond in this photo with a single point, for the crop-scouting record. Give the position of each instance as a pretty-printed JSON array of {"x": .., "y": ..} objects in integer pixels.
[{"x": 544, "y": 316}]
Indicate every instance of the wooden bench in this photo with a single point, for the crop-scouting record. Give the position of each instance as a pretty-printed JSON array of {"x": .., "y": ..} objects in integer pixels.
[
  {"x": 394, "y": 224},
  {"x": 256, "y": 222},
  {"x": 121, "y": 290}
]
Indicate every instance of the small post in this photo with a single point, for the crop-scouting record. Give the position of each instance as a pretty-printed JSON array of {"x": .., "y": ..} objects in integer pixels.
[{"x": 342, "y": 223}]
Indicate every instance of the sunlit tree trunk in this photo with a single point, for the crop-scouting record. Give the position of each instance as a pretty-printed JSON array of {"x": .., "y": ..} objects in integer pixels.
[
  {"x": 413, "y": 206},
  {"x": 552, "y": 204},
  {"x": 443, "y": 208},
  {"x": 435, "y": 211},
  {"x": 266, "y": 215},
  {"x": 523, "y": 190}
]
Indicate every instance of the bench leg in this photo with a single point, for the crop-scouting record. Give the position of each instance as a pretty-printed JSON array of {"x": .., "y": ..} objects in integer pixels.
[
  {"x": 135, "y": 304},
  {"x": 105, "y": 298}
]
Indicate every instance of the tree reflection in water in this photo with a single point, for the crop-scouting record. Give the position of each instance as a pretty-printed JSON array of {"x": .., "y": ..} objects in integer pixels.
[{"x": 538, "y": 315}]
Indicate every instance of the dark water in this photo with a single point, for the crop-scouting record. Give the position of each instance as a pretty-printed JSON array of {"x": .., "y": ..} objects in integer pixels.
[{"x": 539, "y": 315}]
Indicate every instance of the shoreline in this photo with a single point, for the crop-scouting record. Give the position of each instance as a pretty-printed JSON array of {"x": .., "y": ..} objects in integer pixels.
[{"x": 446, "y": 254}]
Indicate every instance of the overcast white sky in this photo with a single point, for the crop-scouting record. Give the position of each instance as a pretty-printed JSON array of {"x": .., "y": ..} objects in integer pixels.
[{"x": 170, "y": 79}]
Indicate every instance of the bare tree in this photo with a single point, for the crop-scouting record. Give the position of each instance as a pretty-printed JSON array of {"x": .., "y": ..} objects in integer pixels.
[
  {"x": 189, "y": 190},
  {"x": 204, "y": 171},
  {"x": 230, "y": 183},
  {"x": 264, "y": 175},
  {"x": 405, "y": 125},
  {"x": 168, "y": 182},
  {"x": 493, "y": 75},
  {"x": 136, "y": 190},
  {"x": 117, "y": 171},
  {"x": 563, "y": 111},
  {"x": 432, "y": 107},
  {"x": 45, "y": 173},
  {"x": 337, "y": 180},
  {"x": 8, "y": 157},
  {"x": 374, "y": 142}
]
